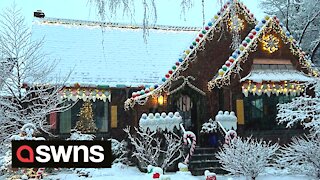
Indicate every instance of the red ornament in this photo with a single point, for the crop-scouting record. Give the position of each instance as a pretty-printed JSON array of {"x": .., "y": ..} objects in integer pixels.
[
  {"x": 207, "y": 28},
  {"x": 177, "y": 63},
  {"x": 156, "y": 176},
  {"x": 244, "y": 44},
  {"x": 170, "y": 71},
  {"x": 201, "y": 35},
  {"x": 277, "y": 21},
  {"x": 251, "y": 36},
  {"x": 231, "y": 60},
  {"x": 254, "y": 32},
  {"x": 197, "y": 39},
  {"x": 228, "y": 64},
  {"x": 24, "y": 85},
  {"x": 167, "y": 75},
  {"x": 147, "y": 91},
  {"x": 225, "y": 6}
]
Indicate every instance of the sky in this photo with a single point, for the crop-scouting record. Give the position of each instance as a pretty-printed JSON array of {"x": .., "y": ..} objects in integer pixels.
[{"x": 169, "y": 11}]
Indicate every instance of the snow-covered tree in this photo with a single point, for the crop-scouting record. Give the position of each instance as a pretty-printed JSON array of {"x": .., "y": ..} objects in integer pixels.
[
  {"x": 110, "y": 8},
  {"x": 26, "y": 95},
  {"x": 301, "y": 18},
  {"x": 302, "y": 156},
  {"x": 304, "y": 109},
  {"x": 150, "y": 149},
  {"x": 246, "y": 157}
]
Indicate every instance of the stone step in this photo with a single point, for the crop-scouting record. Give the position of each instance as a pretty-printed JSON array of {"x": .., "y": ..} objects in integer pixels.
[
  {"x": 204, "y": 164},
  {"x": 206, "y": 150},
  {"x": 196, "y": 157},
  {"x": 200, "y": 171}
]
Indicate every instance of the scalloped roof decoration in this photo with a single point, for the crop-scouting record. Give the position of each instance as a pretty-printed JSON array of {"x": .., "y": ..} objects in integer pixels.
[
  {"x": 141, "y": 96},
  {"x": 233, "y": 63}
]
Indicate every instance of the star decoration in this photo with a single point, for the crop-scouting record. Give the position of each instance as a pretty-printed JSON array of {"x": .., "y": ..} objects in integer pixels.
[{"x": 270, "y": 43}]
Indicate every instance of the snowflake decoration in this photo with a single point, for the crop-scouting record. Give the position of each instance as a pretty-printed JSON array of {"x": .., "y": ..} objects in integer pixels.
[
  {"x": 270, "y": 43},
  {"x": 235, "y": 24}
]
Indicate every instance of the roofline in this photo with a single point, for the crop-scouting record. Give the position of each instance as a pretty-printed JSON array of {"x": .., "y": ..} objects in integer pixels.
[{"x": 75, "y": 22}]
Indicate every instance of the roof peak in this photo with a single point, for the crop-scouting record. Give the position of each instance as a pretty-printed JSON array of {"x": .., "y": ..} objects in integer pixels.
[{"x": 74, "y": 22}]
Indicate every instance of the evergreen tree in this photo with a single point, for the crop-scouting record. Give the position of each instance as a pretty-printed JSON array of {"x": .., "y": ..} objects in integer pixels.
[{"x": 86, "y": 122}]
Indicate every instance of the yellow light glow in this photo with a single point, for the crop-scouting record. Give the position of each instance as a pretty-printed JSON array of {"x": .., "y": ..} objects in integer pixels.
[
  {"x": 160, "y": 100},
  {"x": 235, "y": 24},
  {"x": 270, "y": 43}
]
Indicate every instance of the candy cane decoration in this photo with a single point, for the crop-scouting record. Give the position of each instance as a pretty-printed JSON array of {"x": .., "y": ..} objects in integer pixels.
[
  {"x": 39, "y": 173},
  {"x": 231, "y": 134},
  {"x": 186, "y": 135}
]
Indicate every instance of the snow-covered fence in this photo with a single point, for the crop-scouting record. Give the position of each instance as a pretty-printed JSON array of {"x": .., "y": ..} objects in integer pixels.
[
  {"x": 163, "y": 122},
  {"x": 227, "y": 120}
]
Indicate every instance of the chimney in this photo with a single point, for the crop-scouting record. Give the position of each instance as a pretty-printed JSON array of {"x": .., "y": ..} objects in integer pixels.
[{"x": 38, "y": 14}]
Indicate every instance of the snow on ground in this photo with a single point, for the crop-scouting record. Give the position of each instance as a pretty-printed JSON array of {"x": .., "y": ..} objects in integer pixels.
[{"x": 119, "y": 172}]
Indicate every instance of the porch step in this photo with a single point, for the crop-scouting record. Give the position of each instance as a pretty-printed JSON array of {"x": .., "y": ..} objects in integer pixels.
[{"x": 205, "y": 159}]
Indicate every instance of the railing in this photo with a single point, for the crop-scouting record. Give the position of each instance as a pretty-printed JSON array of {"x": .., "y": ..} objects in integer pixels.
[
  {"x": 183, "y": 130},
  {"x": 223, "y": 129}
]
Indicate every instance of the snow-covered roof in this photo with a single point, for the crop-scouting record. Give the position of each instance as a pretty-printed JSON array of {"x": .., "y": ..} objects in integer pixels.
[
  {"x": 278, "y": 75},
  {"x": 113, "y": 55}
]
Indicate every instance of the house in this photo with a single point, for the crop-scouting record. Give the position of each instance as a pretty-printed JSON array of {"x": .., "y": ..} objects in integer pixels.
[{"x": 115, "y": 70}]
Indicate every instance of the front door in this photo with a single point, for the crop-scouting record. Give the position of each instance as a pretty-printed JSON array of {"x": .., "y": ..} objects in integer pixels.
[{"x": 187, "y": 109}]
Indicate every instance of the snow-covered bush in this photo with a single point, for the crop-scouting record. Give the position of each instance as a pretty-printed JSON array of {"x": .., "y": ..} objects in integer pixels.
[
  {"x": 209, "y": 127},
  {"x": 150, "y": 149},
  {"x": 304, "y": 109},
  {"x": 119, "y": 151},
  {"x": 5, "y": 162},
  {"x": 302, "y": 155},
  {"x": 246, "y": 157},
  {"x": 77, "y": 135}
]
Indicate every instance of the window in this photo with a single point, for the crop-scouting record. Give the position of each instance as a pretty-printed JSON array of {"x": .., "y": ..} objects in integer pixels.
[
  {"x": 68, "y": 119},
  {"x": 261, "y": 111}
]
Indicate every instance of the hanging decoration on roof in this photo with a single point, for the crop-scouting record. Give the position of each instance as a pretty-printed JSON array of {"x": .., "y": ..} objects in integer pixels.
[
  {"x": 240, "y": 55},
  {"x": 285, "y": 88},
  {"x": 190, "y": 54},
  {"x": 235, "y": 24},
  {"x": 85, "y": 94},
  {"x": 270, "y": 43}
]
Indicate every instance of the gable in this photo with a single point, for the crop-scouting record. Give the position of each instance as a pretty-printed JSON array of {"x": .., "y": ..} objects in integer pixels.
[{"x": 254, "y": 46}]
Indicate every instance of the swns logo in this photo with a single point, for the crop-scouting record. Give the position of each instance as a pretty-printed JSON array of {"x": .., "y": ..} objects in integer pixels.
[{"x": 64, "y": 154}]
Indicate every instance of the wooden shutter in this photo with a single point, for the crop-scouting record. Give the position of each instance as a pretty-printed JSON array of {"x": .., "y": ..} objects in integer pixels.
[{"x": 114, "y": 116}]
